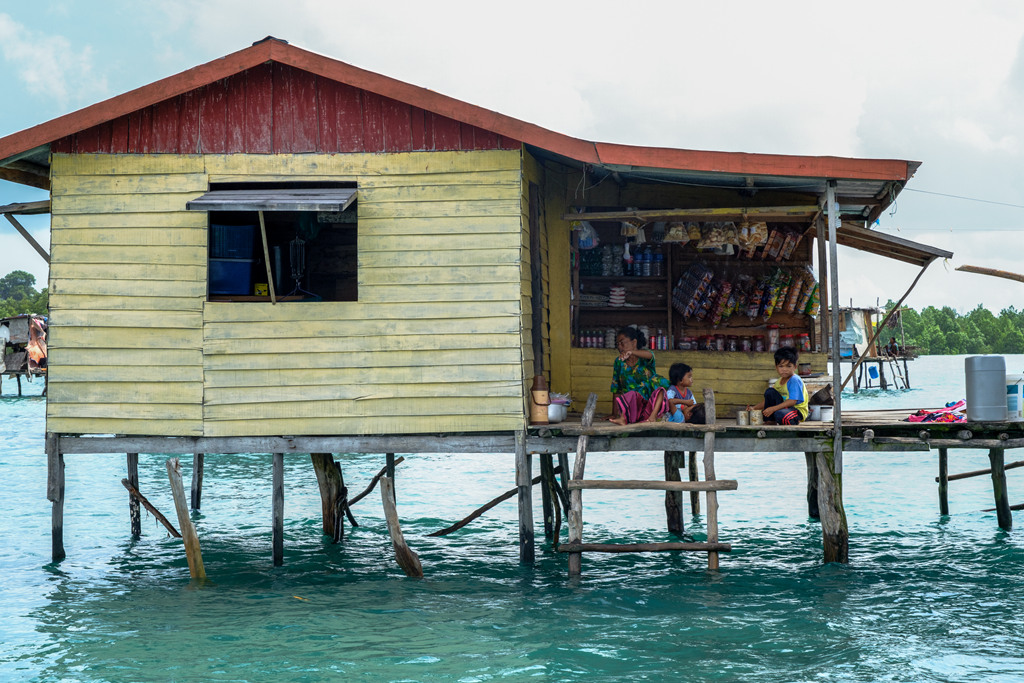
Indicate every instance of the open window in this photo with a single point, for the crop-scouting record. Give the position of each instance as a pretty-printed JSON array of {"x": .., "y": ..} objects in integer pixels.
[{"x": 281, "y": 241}]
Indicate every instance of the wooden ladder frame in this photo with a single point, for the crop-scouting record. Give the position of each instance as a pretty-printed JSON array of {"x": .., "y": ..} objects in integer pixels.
[{"x": 710, "y": 486}]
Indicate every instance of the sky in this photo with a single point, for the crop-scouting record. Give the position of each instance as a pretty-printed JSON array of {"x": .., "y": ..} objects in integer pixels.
[{"x": 939, "y": 82}]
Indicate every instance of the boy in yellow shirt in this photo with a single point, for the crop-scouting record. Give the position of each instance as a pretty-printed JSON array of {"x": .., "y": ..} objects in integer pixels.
[{"x": 786, "y": 402}]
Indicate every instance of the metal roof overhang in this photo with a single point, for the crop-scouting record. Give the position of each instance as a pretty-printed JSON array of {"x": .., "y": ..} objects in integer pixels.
[
  {"x": 333, "y": 200},
  {"x": 861, "y": 199},
  {"x": 893, "y": 247}
]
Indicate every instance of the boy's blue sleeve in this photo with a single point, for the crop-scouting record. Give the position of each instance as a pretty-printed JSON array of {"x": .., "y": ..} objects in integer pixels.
[{"x": 795, "y": 389}]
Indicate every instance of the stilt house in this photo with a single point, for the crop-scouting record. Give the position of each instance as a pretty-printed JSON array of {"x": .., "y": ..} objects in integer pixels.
[
  {"x": 276, "y": 242},
  {"x": 277, "y": 251}
]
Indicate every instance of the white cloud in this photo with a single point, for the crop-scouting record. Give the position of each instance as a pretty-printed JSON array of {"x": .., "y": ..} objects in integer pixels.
[{"x": 48, "y": 65}]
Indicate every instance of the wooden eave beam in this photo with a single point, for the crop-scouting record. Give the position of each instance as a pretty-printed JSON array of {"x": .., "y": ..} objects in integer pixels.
[
  {"x": 28, "y": 237},
  {"x": 25, "y": 178},
  {"x": 881, "y": 326},
  {"x": 993, "y": 272},
  {"x": 27, "y": 208},
  {"x": 770, "y": 213}
]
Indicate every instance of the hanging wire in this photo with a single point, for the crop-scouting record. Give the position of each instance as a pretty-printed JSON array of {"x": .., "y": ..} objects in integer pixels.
[{"x": 967, "y": 199}]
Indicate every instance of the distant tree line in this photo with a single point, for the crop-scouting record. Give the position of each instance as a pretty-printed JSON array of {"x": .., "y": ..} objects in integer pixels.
[
  {"x": 941, "y": 331},
  {"x": 18, "y": 295}
]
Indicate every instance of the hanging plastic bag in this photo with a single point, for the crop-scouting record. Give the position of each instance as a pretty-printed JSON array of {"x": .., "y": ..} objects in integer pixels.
[{"x": 588, "y": 235}]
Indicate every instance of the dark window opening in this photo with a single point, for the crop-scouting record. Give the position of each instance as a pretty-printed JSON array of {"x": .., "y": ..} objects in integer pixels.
[{"x": 313, "y": 254}]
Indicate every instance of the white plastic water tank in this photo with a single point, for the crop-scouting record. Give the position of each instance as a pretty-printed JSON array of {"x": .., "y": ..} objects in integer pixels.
[{"x": 986, "y": 388}]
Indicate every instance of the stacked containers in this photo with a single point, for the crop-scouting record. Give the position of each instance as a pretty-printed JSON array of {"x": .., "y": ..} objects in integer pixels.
[{"x": 231, "y": 261}]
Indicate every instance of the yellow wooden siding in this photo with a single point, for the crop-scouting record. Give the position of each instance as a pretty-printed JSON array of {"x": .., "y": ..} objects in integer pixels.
[
  {"x": 533, "y": 173},
  {"x": 127, "y": 280},
  {"x": 559, "y": 283},
  {"x": 738, "y": 379},
  {"x": 433, "y": 344}
]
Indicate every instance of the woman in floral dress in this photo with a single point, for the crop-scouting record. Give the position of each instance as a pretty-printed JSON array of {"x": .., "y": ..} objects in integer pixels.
[{"x": 638, "y": 392}]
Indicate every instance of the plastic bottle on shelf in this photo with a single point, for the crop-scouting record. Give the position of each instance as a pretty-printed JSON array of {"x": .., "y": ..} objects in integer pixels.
[
  {"x": 646, "y": 263},
  {"x": 627, "y": 261},
  {"x": 659, "y": 264}
]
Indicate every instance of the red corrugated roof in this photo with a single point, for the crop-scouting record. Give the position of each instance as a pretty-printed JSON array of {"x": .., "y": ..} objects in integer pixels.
[{"x": 557, "y": 143}]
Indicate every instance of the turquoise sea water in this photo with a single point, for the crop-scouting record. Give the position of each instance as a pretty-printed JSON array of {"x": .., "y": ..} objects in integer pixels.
[{"x": 924, "y": 598}]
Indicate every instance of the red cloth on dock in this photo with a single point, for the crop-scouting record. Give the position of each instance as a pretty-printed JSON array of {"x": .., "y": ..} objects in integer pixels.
[{"x": 947, "y": 414}]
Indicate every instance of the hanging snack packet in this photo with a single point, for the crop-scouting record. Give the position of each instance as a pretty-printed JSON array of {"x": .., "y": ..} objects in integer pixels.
[
  {"x": 756, "y": 296},
  {"x": 789, "y": 242},
  {"x": 744, "y": 284},
  {"x": 743, "y": 235},
  {"x": 720, "y": 303},
  {"x": 805, "y": 296},
  {"x": 712, "y": 237},
  {"x": 799, "y": 282},
  {"x": 779, "y": 282},
  {"x": 772, "y": 234},
  {"x": 792, "y": 241},
  {"x": 774, "y": 245},
  {"x": 758, "y": 234},
  {"x": 813, "y": 303},
  {"x": 676, "y": 232}
]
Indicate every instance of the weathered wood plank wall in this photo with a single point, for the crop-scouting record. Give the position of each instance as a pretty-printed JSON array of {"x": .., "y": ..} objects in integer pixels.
[
  {"x": 278, "y": 109},
  {"x": 533, "y": 172},
  {"x": 434, "y": 344}
]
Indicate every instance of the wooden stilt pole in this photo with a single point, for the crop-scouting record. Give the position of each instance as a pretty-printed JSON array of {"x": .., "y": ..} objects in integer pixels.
[
  {"x": 278, "y": 509},
  {"x": 333, "y": 494},
  {"x": 511, "y": 493},
  {"x": 389, "y": 465},
  {"x": 823, "y": 284},
  {"x": 18, "y": 377},
  {"x": 197, "y": 480},
  {"x": 134, "y": 493},
  {"x": 709, "y": 475},
  {"x": 55, "y": 494},
  {"x": 693, "y": 476},
  {"x": 881, "y": 376},
  {"x": 835, "y": 534},
  {"x": 812, "y": 485},
  {"x": 576, "y": 495},
  {"x": 407, "y": 559},
  {"x": 188, "y": 532},
  {"x": 134, "y": 514},
  {"x": 943, "y": 481},
  {"x": 563, "y": 478},
  {"x": 369, "y": 487},
  {"x": 524, "y": 476},
  {"x": 995, "y": 457},
  {"x": 547, "y": 477},
  {"x": 674, "y": 460}
]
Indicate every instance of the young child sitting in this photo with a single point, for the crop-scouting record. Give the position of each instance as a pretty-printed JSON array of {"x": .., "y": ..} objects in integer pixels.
[
  {"x": 785, "y": 403},
  {"x": 680, "y": 396}
]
